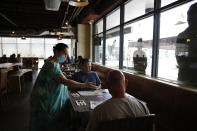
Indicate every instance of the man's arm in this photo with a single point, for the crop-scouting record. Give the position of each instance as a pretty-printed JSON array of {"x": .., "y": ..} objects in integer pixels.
[{"x": 73, "y": 84}]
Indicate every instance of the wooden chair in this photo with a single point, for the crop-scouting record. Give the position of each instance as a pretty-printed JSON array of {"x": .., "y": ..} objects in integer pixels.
[
  {"x": 16, "y": 79},
  {"x": 30, "y": 63},
  {"x": 144, "y": 123}
]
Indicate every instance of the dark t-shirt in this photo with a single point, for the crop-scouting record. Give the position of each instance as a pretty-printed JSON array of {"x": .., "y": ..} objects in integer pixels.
[
  {"x": 186, "y": 55},
  {"x": 84, "y": 78}
]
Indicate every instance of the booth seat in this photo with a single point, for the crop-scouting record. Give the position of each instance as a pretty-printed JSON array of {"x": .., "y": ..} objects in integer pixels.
[{"x": 175, "y": 106}]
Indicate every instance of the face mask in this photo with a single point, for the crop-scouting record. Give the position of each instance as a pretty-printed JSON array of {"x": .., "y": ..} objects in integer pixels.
[{"x": 61, "y": 59}]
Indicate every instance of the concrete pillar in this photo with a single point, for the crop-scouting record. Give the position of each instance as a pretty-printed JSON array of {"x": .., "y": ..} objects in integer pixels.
[{"x": 84, "y": 38}]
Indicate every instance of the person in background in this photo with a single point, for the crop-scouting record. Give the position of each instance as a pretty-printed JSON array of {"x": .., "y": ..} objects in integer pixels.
[
  {"x": 186, "y": 49},
  {"x": 139, "y": 57},
  {"x": 19, "y": 60},
  {"x": 4, "y": 59},
  {"x": 120, "y": 105},
  {"x": 50, "y": 92},
  {"x": 68, "y": 60},
  {"x": 139, "y": 52},
  {"x": 86, "y": 75},
  {"x": 72, "y": 60},
  {"x": 13, "y": 58}
]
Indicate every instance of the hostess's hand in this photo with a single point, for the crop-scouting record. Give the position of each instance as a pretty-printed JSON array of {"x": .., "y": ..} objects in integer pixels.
[{"x": 92, "y": 86}]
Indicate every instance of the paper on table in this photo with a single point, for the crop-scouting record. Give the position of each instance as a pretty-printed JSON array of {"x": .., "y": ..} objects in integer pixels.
[
  {"x": 94, "y": 92},
  {"x": 94, "y": 104}
]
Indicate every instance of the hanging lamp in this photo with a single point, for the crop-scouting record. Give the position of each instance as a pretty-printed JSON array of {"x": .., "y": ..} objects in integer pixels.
[{"x": 78, "y": 3}]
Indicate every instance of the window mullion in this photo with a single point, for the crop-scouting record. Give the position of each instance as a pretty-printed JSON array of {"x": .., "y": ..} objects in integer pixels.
[
  {"x": 121, "y": 36},
  {"x": 156, "y": 36},
  {"x": 104, "y": 40}
]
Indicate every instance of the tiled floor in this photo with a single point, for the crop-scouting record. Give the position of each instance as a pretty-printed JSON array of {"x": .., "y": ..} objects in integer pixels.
[{"x": 15, "y": 115}]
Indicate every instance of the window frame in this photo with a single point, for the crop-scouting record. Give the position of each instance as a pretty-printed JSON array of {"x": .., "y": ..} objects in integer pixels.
[
  {"x": 156, "y": 30},
  {"x": 30, "y": 43}
]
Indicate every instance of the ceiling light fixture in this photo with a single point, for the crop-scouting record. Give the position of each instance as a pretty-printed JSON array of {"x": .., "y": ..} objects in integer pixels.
[
  {"x": 66, "y": 23},
  {"x": 78, "y": 3},
  {"x": 66, "y": 27},
  {"x": 23, "y": 38},
  {"x": 59, "y": 38}
]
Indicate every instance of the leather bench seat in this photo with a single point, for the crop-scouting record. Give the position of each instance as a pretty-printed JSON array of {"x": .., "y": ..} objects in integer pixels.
[{"x": 175, "y": 106}]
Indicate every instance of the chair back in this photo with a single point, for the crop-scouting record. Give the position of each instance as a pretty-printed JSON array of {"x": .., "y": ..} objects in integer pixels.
[{"x": 144, "y": 123}]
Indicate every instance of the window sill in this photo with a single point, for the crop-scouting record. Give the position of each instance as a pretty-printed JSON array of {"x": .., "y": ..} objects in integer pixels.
[{"x": 174, "y": 83}]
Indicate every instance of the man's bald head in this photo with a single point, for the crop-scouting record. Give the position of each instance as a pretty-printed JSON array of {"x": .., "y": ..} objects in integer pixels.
[
  {"x": 116, "y": 83},
  {"x": 115, "y": 77}
]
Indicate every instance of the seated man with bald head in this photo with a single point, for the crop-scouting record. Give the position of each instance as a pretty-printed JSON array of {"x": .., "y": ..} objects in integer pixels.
[{"x": 120, "y": 105}]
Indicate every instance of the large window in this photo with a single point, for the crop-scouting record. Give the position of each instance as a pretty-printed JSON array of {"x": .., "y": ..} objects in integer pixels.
[
  {"x": 136, "y": 8},
  {"x": 128, "y": 41},
  {"x": 166, "y": 2},
  {"x": 138, "y": 46},
  {"x": 1, "y": 47},
  {"x": 24, "y": 47},
  {"x": 49, "y": 43},
  {"x": 98, "y": 41},
  {"x": 30, "y": 47},
  {"x": 172, "y": 45},
  {"x": 112, "y": 48},
  {"x": 9, "y": 46},
  {"x": 113, "y": 19},
  {"x": 99, "y": 27},
  {"x": 38, "y": 47},
  {"x": 98, "y": 48}
]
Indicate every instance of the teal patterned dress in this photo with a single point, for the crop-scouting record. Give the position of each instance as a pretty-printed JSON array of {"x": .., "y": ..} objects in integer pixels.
[{"x": 48, "y": 97}]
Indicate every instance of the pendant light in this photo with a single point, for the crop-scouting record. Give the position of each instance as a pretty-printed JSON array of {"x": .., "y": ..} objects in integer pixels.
[
  {"x": 23, "y": 38},
  {"x": 78, "y": 3}
]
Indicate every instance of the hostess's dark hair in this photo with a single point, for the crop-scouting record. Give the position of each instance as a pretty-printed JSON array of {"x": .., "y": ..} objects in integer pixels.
[{"x": 59, "y": 47}]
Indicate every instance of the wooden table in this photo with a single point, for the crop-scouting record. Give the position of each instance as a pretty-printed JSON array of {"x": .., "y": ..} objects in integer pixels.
[
  {"x": 81, "y": 114},
  {"x": 4, "y": 68},
  {"x": 87, "y": 99},
  {"x": 8, "y": 65},
  {"x": 30, "y": 62}
]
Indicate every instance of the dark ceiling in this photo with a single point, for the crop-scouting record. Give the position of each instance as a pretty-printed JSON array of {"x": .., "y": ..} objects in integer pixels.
[{"x": 31, "y": 16}]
